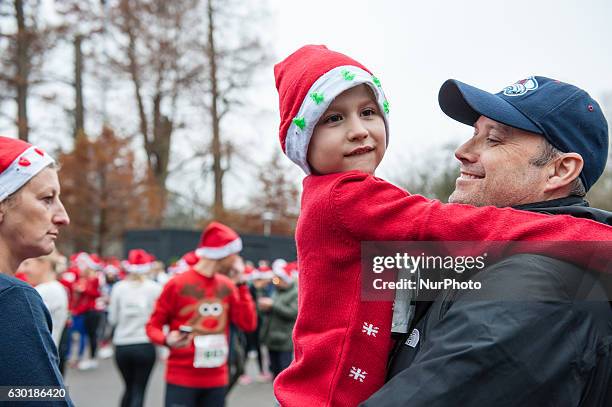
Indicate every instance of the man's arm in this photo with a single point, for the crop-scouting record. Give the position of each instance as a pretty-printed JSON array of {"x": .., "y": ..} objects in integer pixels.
[
  {"x": 514, "y": 352},
  {"x": 287, "y": 310},
  {"x": 162, "y": 313},
  {"x": 242, "y": 308}
]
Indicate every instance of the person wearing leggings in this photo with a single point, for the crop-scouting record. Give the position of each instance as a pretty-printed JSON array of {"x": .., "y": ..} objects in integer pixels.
[
  {"x": 131, "y": 303},
  {"x": 85, "y": 317}
]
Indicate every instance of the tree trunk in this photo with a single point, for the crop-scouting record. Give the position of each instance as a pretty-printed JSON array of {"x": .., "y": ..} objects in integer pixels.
[
  {"x": 79, "y": 110},
  {"x": 218, "y": 208},
  {"x": 23, "y": 71}
]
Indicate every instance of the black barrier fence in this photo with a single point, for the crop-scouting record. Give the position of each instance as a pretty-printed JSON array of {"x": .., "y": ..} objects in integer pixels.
[{"x": 170, "y": 244}]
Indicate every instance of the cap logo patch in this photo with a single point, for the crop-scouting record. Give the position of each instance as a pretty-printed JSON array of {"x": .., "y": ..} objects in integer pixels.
[{"x": 521, "y": 87}]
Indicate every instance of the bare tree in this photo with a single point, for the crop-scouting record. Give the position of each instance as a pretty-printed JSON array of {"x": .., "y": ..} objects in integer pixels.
[
  {"x": 155, "y": 40},
  {"x": 22, "y": 48},
  {"x": 232, "y": 63}
]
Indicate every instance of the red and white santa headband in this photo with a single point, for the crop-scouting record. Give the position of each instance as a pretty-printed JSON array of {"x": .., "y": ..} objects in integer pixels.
[{"x": 19, "y": 163}]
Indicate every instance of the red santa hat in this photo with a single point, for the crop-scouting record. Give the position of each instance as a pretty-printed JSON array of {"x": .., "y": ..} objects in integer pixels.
[
  {"x": 112, "y": 266},
  {"x": 19, "y": 163},
  {"x": 248, "y": 273},
  {"x": 138, "y": 261},
  {"x": 218, "y": 241},
  {"x": 307, "y": 82},
  {"x": 263, "y": 273},
  {"x": 96, "y": 262},
  {"x": 178, "y": 267},
  {"x": 83, "y": 261},
  {"x": 284, "y": 274}
]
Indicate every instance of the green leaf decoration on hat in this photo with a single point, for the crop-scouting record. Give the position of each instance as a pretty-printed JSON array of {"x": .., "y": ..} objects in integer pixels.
[
  {"x": 317, "y": 97},
  {"x": 348, "y": 75},
  {"x": 386, "y": 106},
  {"x": 376, "y": 81},
  {"x": 300, "y": 122}
]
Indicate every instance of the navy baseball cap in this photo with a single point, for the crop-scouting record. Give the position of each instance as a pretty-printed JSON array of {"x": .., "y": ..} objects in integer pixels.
[{"x": 565, "y": 115}]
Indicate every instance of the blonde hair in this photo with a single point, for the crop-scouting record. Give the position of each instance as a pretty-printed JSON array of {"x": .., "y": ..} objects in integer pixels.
[{"x": 57, "y": 261}]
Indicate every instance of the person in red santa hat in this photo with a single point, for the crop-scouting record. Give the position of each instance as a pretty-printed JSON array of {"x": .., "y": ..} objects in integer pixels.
[
  {"x": 131, "y": 303},
  {"x": 85, "y": 315},
  {"x": 31, "y": 216},
  {"x": 198, "y": 306},
  {"x": 334, "y": 126}
]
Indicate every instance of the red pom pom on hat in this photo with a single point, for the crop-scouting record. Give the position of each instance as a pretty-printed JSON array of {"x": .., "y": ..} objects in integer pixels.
[{"x": 218, "y": 241}]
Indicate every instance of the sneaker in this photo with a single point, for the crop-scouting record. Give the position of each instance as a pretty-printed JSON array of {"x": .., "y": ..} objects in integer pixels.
[
  {"x": 245, "y": 379},
  {"x": 105, "y": 352},
  {"x": 264, "y": 377},
  {"x": 87, "y": 364}
]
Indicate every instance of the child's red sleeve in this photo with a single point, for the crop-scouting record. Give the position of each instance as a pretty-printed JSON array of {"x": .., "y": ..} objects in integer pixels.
[{"x": 373, "y": 209}]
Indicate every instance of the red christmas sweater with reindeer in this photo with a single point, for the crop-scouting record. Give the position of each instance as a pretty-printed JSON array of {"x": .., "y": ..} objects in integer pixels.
[
  {"x": 208, "y": 305},
  {"x": 342, "y": 343}
]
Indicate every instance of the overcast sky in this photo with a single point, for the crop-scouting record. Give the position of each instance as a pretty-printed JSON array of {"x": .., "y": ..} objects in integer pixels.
[{"x": 414, "y": 46}]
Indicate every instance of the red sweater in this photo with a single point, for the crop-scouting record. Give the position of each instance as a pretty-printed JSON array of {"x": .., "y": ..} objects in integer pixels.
[
  {"x": 181, "y": 302},
  {"x": 83, "y": 301},
  {"x": 340, "y": 359}
]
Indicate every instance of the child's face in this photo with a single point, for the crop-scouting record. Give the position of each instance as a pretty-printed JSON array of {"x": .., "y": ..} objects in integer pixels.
[{"x": 350, "y": 135}]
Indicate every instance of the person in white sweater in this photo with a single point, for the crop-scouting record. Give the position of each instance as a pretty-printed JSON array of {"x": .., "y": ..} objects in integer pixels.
[
  {"x": 131, "y": 303},
  {"x": 42, "y": 274}
]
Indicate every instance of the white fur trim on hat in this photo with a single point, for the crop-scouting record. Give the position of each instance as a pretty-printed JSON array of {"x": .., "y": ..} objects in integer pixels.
[
  {"x": 84, "y": 261},
  {"x": 216, "y": 253},
  {"x": 329, "y": 85},
  {"x": 137, "y": 268},
  {"x": 15, "y": 176}
]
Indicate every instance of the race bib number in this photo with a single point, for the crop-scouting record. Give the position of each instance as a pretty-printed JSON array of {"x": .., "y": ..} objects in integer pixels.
[{"x": 210, "y": 350}]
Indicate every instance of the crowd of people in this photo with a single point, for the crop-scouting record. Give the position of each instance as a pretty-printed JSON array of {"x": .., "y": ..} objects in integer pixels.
[
  {"x": 538, "y": 333},
  {"x": 104, "y": 305}
]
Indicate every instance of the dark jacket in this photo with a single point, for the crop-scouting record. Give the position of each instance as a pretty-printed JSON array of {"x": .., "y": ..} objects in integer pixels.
[
  {"x": 28, "y": 356},
  {"x": 542, "y": 345},
  {"x": 278, "y": 323}
]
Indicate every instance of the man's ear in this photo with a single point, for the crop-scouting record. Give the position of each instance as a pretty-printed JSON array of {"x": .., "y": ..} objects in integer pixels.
[{"x": 563, "y": 170}]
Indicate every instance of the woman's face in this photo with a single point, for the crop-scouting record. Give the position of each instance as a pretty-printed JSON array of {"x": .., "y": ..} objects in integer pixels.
[{"x": 30, "y": 225}]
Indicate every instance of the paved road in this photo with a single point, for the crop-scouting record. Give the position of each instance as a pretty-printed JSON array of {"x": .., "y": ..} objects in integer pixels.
[{"x": 102, "y": 387}]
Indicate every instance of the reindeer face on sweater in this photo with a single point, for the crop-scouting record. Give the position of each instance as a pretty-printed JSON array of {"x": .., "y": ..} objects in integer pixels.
[{"x": 209, "y": 314}]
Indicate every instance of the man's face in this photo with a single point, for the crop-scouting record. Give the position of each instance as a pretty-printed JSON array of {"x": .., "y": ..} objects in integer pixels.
[
  {"x": 350, "y": 135},
  {"x": 224, "y": 265},
  {"x": 496, "y": 167},
  {"x": 32, "y": 224}
]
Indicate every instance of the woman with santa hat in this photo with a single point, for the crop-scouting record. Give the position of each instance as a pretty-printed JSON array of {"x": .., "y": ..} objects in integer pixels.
[
  {"x": 31, "y": 215},
  {"x": 131, "y": 304}
]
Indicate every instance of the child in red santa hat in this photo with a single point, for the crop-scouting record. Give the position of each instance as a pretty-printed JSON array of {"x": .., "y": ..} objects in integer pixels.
[{"x": 334, "y": 125}]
